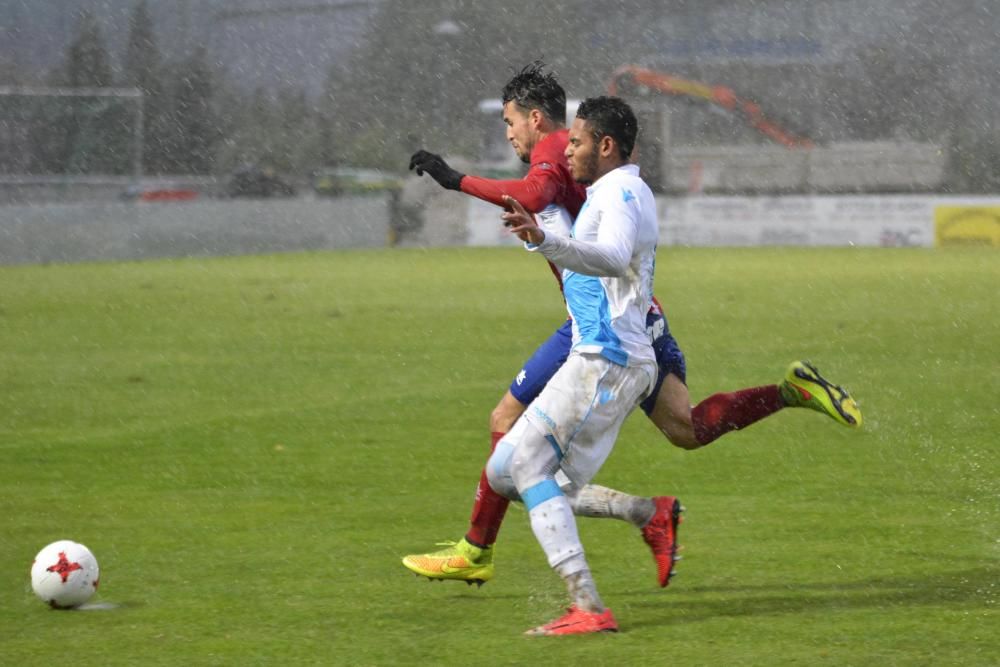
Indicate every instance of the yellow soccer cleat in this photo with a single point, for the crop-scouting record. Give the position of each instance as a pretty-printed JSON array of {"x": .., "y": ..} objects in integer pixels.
[
  {"x": 458, "y": 560},
  {"x": 804, "y": 387}
]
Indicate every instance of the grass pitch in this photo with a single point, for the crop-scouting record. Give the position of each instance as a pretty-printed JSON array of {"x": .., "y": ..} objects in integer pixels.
[{"x": 249, "y": 445}]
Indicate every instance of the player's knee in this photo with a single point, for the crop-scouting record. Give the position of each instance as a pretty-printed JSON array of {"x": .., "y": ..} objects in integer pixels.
[
  {"x": 532, "y": 461},
  {"x": 672, "y": 414},
  {"x": 498, "y": 472},
  {"x": 503, "y": 417},
  {"x": 683, "y": 438},
  {"x": 677, "y": 427}
]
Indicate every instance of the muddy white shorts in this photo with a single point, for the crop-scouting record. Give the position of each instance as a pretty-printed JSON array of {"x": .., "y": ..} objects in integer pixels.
[{"x": 582, "y": 408}]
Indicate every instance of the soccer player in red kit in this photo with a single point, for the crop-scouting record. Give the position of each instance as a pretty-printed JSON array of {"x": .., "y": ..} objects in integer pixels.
[{"x": 534, "y": 110}]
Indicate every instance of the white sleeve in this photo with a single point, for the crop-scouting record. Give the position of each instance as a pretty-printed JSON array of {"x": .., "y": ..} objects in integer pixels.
[{"x": 610, "y": 255}]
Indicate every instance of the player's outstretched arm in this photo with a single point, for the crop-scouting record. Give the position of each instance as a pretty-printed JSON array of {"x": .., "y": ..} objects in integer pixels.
[
  {"x": 436, "y": 167},
  {"x": 536, "y": 190}
]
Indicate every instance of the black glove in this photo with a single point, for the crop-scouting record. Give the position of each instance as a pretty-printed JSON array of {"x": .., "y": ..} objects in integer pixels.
[{"x": 437, "y": 168}]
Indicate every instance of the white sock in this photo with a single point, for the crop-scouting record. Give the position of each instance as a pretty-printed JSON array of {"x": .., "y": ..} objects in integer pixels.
[
  {"x": 600, "y": 501},
  {"x": 555, "y": 529}
]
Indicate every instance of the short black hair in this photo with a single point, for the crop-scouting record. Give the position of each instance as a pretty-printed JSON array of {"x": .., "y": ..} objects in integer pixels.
[
  {"x": 611, "y": 117},
  {"x": 532, "y": 88}
]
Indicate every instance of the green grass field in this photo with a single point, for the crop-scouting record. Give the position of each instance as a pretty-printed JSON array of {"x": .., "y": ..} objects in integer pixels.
[{"x": 249, "y": 445}]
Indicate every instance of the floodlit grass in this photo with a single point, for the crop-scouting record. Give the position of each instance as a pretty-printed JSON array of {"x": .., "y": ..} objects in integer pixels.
[{"x": 249, "y": 445}]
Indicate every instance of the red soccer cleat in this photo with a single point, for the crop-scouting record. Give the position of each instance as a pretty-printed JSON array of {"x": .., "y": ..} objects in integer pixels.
[
  {"x": 577, "y": 622},
  {"x": 661, "y": 536}
]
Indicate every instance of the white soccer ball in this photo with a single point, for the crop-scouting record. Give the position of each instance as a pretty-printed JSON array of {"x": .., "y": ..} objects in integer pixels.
[{"x": 65, "y": 574}]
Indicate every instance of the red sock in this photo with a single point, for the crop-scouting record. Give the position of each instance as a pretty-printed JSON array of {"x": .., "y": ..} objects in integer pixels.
[
  {"x": 488, "y": 510},
  {"x": 721, "y": 413}
]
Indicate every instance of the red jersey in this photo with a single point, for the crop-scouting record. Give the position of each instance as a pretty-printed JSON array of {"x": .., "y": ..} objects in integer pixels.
[
  {"x": 547, "y": 189},
  {"x": 548, "y": 180}
]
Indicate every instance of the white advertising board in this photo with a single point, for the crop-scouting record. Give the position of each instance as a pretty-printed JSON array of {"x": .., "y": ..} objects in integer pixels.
[{"x": 797, "y": 221}]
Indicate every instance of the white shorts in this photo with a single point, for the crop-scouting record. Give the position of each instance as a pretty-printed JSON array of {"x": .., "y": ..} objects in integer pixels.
[{"x": 583, "y": 406}]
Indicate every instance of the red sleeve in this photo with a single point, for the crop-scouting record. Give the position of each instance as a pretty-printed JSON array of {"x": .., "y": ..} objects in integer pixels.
[{"x": 535, "y": 191}]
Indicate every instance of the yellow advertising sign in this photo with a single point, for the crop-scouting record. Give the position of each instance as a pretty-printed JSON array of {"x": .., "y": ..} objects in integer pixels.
[{"x": 967, "y": 225}]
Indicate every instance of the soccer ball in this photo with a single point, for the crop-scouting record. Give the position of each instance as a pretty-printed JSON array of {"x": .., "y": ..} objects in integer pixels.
[{"x": 65, "y": 574}]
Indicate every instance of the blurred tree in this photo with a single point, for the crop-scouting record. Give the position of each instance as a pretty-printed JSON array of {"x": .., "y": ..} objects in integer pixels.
[
  {"x": 424, "y": 67},
  {"x": 87, "y": 62},
  {"x": 143, "y": 69},
  {"x": 12, "y": 148},
  {"x": 82, "y": 135},
  {"x": 246, "y": 119},
  {"x": 194, "y": 132},
  {"x": 15, "y": 121},
  {"x": 278, "y": 129}
]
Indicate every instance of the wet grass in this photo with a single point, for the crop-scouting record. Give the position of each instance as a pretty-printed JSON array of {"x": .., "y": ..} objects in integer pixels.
[{"x": 249, "y": 445}]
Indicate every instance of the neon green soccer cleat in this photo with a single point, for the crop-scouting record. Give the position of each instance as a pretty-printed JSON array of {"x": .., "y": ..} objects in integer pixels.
[
  {"x": 804, "y": 387},
  {"x": 458, "y": 560}
]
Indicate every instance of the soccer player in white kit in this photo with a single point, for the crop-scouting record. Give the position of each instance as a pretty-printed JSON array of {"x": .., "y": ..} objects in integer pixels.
[{"x": 570, "y": 429}]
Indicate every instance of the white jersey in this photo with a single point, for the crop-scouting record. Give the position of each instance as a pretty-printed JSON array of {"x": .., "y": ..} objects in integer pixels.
[{"x": 607, "y": 267}]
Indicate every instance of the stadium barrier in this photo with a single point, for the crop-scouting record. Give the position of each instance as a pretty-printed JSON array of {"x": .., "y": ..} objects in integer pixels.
[
  {"x": 861, "y": 220},
  {"x": 102, "y": 231},
  {"x": 798, "y": 221}
]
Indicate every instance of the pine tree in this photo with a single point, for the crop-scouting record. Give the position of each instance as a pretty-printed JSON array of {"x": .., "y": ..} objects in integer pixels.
[
  {"x": 195, "y": 129},
  {"x": 143, "y": 70},
  {"x": 83, "y": 135},
  {"x": 87, "y": 62},
  {"x": 99, "y": 142}
]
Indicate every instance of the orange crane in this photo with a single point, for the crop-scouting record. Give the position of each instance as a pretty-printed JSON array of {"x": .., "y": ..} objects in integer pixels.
[{"x": 719, "y": 95}]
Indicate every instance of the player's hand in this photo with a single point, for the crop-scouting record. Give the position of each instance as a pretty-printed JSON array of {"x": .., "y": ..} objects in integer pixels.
[
  {"x": 437, "y": 168},
  {"x": 521, "y": 222}
]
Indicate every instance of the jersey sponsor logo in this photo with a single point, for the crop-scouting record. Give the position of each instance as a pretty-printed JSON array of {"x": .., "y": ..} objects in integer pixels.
[
  {"x": 544, "y": 417},
  {"x": 521, "y": 377}
]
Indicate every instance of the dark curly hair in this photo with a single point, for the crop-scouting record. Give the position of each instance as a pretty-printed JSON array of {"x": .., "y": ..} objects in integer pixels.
[
  {"x": 532, "y": 88},
  {"x": 611, "y": 117}
]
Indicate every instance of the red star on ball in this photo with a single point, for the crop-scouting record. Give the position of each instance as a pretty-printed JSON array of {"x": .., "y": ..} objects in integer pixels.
[{"x": 63, "y": 567}]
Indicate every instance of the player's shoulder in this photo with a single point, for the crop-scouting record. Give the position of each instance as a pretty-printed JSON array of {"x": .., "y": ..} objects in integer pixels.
[
  {"x": 613, "y": 182},
  {"x": 621, "y": 189},
  {"x": 629, "y": 182}
]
